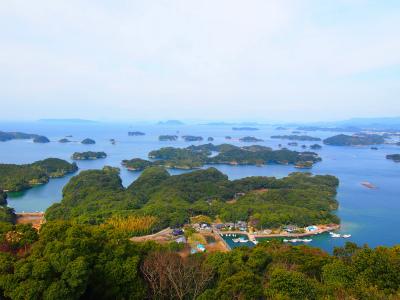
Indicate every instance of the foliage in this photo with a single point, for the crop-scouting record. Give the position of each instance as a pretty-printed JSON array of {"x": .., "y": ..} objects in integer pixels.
[{"x": 74, "y": 261}]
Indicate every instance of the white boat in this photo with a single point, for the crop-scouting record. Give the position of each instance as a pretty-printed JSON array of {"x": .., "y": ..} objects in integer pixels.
[
  {"x": 243, "y": 240},
  {"x": 255, "y": 242},
  {"x": 346, "y": 236},
  {"x": 307, "y": 240},
  {"x": 236, "y": 240},
  {"x": 335, "y": 235},
  {"x": 285, "y": 240}
]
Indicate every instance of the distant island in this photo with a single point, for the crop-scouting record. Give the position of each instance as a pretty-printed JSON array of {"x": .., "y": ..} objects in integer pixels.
[
  {"x": 88, "y": 141},
  {"x": 192, "y": 138},
  {"x": 64, "y": 140},
  {"x": 210, "y": 139},
  {"x": 171, "y": 123},
  {"x": 333, "y": 129},
  {"x": 280, "y": 128},
  {"x": 315, "y": 147},
  {"x": 245, "y": 128},
  {"x": 8, "y": 136},
  {"x": 193, "y": 157},
  {"x": 136, "y": 133},
  {"x": 394, "y": 157},
  {"x": 295, "y": 137},
  {"x": 355, "y": 140},
  {"x": 88, "y": 155},
  {"x": 167, "y": 137},
  {"x": 41, "y": 139},
  {"x": 20, "y": 177},
  {"x": 228, "y": 137},
  {"x": 250, "y": 139}
]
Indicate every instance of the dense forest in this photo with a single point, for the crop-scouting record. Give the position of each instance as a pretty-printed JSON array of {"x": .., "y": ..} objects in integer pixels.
[
  {"x": 355, "y": 140},
  {"x": 94, "y": 196},
  {"x": 197, "y": 156},
  {"x": 76, "y": 261},
  {"x": 19, "y": 177}
]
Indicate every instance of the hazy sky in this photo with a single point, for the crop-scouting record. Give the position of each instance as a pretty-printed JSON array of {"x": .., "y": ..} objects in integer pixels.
[{"x": 204, "y": 59}]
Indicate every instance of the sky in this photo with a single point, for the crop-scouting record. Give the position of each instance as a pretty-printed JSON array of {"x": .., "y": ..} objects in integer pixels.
[{"x": 254, "y": 60}]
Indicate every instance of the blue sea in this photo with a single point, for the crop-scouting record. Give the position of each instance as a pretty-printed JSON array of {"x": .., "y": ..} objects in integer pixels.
[{"x": 371, "y": 216}]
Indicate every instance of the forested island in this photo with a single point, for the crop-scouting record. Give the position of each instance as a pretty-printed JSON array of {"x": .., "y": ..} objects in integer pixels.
[
  {"x": 136, "y": 133},
  {"x": 355, "y": 140},
  {"x": 250, "y": 139},
  {"x": 315, "y": 147},
  {"x": 20, "y": 177},
  {"x": 136, "y": 164},
  {"x": 394, "y": 157},
  {"x": 245, "y": 128},
  {"x": 210, "y": 139},
  {"x": 197, "y": 156},
  {"x": 171, "y": 123},
  {"x": 167, "y": 138},
  {"x": 8, "y": 136},
  {"x": 295, "y": 137},
  {"x": 88, "y": 155},
  {"x": 88, "y": 141},
  {"x": 299, "y": 199}
]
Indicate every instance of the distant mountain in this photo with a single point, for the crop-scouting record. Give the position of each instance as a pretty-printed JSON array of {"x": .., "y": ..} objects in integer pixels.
[
  {"x": 75, "y": 121},
  {"x": 373, "y": 123},
  {"x": 171, "y": 122}
]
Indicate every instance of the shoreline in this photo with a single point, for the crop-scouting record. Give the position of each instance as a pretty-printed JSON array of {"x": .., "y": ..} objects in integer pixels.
[{"x": 321, "y": 229}]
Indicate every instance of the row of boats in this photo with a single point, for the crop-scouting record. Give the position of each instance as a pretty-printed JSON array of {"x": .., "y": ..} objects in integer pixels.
[{"x": 338, "y": 235}]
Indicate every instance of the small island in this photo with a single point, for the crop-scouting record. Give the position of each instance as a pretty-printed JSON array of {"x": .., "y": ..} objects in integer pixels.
[
  {"x": 210, "y": 139},
  {"x": 245, "y": 128},
  {"x": 88, "y": 141},
  {"x": 228, "y": 137},
  {"x": 14, "y": 178},
  {"x": 250, "y": 139},
  {"x": 355, "y": 140},
  {"x": 136, "y": 164},
  {"x": 394, "y": 157},
  {"x": 88, "y": 155},
  {"x": 192, "y": 138},
  {"x": 136, "y": 133},
  {"x": 295, "y": 137},
  {"x": 294, "y": 144},
  {"x": 64, "y": 140},
  {"x": 41, "y": 140},
  {"x": 167, "y": 138},
  {"x": 315, "y": 147}
]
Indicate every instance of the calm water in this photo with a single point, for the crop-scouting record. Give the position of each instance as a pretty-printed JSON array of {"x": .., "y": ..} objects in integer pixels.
[{"x": 371, "y": 216}]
